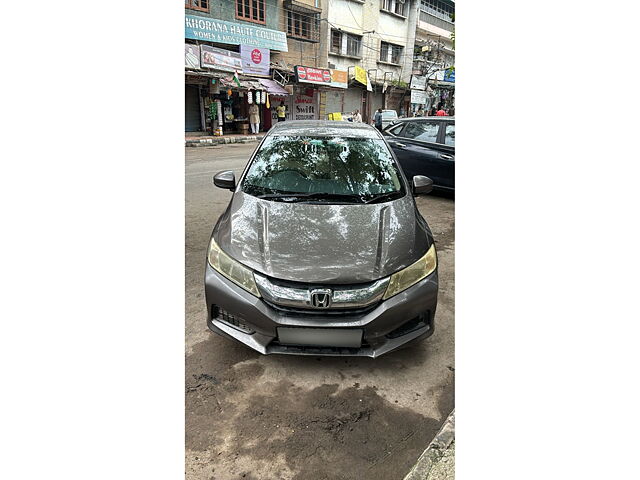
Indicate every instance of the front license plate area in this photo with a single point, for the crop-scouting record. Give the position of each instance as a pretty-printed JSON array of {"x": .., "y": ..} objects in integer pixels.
[{"x": 321, "y": 337}]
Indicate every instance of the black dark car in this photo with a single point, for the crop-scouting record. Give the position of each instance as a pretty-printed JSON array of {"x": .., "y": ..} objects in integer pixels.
[{"x": 425, "y": 146}]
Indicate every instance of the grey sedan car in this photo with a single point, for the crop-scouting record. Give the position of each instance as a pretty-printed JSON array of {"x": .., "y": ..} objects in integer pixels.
[{"x": 321, "y": 250}]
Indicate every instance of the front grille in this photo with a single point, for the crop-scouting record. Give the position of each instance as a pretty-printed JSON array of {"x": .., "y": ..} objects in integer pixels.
[
  {"x": 232, "y": 320},
  {"x": 297, "y": 298},
  {"x": 314, "y": 312}
]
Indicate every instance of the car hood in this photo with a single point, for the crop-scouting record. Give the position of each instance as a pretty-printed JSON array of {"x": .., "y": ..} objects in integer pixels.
[{"x": 323, "y": 243}]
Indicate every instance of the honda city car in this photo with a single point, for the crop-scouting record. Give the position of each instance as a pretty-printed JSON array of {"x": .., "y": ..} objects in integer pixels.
[{"x": 322, "y": 250}]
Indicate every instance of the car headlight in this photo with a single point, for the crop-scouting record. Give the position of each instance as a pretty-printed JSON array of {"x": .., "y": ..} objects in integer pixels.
[
  {"x": 411, "y": 275},
  {"x": 233, "y": 270}
]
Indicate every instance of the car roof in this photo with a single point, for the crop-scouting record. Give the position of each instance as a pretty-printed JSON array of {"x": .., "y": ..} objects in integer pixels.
[
  {"x": 321, "y": 128},
  {"x": 414, "y": 119}
]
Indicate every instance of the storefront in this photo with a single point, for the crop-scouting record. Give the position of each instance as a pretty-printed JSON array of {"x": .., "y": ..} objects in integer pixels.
[
  {"x": 333, "y": 93},
  {"x": 236, "y": 97},
  {"x": 217, "y": 94},
  {"x": 303, "y": 104},
  {"x": 310, "y": 83}
]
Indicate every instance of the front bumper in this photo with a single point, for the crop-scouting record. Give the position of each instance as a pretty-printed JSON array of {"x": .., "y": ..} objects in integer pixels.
[{"x": 405, "y": 318}]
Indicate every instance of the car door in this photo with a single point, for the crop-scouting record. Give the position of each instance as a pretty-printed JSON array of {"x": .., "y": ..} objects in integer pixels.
[
  {"x": 448, "y": 153},
  {"x": 417, "y": 152}
]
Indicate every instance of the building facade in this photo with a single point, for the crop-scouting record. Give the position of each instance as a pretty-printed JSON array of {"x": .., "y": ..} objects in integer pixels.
[
  {"x": 316, "y": 57},
  {"x": 376, "y": 36},
  {"x": 434, "y": 55}
]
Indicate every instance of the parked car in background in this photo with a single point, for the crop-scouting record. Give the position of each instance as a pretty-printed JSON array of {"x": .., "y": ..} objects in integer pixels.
[
  {"x": 322, "y": 250},
  {"x": 388, "y": 117},
  {"x": 425, "y": 146}
]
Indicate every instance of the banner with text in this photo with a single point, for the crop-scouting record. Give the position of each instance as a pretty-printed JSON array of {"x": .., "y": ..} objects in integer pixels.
[
  {"x": 320, "y": 76},
  {"x": 220, "y": 59},
  {"x": 191, "y": 55},
  {"x": 254, "y": 60},
  {"x": 339, "y": 78},
  {"x": 419, "y": 97},
  {"x": 214, "y": 30}
]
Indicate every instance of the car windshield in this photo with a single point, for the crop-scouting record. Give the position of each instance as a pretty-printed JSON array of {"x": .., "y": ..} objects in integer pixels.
[{"x": 351, "y": 170}]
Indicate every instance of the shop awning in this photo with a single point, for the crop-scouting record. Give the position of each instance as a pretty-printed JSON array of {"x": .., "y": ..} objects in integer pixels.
[
  {"x": 246, "y": 84},
  {"x": 272, "y": 87},
  {"x": 205, "y": 73}
]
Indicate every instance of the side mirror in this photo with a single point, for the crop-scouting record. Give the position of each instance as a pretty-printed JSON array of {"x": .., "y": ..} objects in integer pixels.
[
  {"x": 422, "y": 185},
  {"x": 225, "y": 179}
]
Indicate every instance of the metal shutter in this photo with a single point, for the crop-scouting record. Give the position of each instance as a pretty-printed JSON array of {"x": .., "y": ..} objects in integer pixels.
[{"x": 192, "y": 109}]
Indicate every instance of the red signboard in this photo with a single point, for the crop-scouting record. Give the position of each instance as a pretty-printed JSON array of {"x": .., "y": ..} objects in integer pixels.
[{"x": 313, "y": 75}]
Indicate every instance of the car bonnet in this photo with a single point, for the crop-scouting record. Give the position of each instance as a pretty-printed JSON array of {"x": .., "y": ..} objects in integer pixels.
[{"x": 320, "y": 242}]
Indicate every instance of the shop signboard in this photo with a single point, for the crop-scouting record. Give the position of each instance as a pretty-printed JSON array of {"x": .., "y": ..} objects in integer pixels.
[
  {"x": 191, "y": 56},
  {"x": 339, "y": 78},
  {"x": 418, "y": 82},
  {"x": 305, "y": 105},
  {"x": 450, "y": 75},
  {"x": 321, "y": 76},
  {"x": 220, "y": 31},
  {"x": 419, "y": 97},
  {"x": 220, "y": 59},
  {"x": 255, "y": 60},
  {"x": 301, "y": 105},
  {"x": 360, "y": 75}
]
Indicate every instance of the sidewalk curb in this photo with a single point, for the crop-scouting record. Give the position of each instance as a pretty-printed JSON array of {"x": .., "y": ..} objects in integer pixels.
[
  {"x": 434, "y": 451},
  {"x": 208, "y": 142}
]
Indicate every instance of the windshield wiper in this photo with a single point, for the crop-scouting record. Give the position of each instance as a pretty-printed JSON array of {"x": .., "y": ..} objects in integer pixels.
[
  {"x": 383, "y": 197},
  {"x": 303, "y": 196}
]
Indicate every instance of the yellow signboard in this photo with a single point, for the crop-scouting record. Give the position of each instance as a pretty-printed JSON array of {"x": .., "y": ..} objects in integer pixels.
[{"x": 360, "y": 75}]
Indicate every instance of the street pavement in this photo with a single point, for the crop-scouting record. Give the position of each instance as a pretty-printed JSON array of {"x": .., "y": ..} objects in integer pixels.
[{"x": 255, "y": 417}]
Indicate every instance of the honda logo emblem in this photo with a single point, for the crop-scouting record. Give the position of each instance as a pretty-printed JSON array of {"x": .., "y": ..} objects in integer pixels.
[{"x": 321, "y": 298}]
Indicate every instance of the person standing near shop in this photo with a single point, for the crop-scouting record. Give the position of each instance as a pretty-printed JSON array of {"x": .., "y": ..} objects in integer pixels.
[
  {"x": 420, "y": 112},
  {"x": 441, "y": 112},
  {"x": 357, "y": 117},
  {"x": 254, "y": 118},
  {"x": 377, "y": 119},
  {"x": 281, "y": 111}
]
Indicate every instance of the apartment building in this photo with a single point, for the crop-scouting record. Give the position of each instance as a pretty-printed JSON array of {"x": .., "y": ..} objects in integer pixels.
[
  {"x": 434, "y": 50},
  {"x": 373, "y": 41}
]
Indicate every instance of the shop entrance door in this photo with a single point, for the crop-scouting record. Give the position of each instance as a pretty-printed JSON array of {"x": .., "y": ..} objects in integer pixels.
[{"x": 191, "y": 109}]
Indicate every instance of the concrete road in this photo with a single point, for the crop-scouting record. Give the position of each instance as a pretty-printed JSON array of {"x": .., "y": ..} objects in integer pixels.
[{"x": 284, "y": 417}]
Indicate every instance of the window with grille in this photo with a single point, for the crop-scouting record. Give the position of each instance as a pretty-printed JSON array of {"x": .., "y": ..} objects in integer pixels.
[
  {"x": 336, "y": 41},
  {"x": 393, "y": 6},
  {"x": 251, "y": 10},
  {"x": 353, "y": 45},
  {"x": 390, "y": 53},
  {"x": 438, "y": 9},
  {"x": 384, "y": 52},
  {"x": 396, "y": 54},
  {"x": 303, "y": 25},
  {"x": 197, "y": 5}
]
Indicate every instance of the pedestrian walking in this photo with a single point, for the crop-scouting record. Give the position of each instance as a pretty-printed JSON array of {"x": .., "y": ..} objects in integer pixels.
[
  {"x": 254, "y": 118},
  {"x": 357, "y": 117},
  {"x": 377, "y": 119},
  {"x": 281, "y": 111}
]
